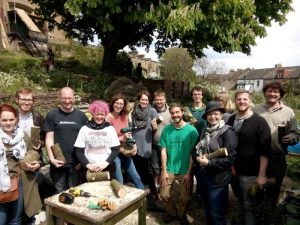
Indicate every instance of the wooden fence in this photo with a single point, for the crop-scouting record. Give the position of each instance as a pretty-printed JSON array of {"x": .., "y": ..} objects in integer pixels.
[{"x": 173, "y": 88}]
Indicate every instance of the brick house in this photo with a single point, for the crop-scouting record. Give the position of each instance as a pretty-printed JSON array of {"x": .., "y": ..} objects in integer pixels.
[{"x": 254, "y": 79}]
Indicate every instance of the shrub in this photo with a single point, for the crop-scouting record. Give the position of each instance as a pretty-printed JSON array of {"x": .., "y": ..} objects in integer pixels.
[
  {"x": 10, "y": 82},
  {"x": 257, "y": 97},
  {"x": 293, "y": 101},
  {"x": 97, "y": 85}
]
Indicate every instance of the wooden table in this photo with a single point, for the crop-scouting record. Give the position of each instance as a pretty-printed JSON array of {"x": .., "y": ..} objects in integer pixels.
[{"x": 78, "y": 213}]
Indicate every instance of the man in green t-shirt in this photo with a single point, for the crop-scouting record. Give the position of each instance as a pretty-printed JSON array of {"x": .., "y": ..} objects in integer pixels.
[{"x": 177, "y": 141}]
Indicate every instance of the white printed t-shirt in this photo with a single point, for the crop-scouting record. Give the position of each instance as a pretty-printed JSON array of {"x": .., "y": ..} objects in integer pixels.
[{"x": 97, "y": 143}]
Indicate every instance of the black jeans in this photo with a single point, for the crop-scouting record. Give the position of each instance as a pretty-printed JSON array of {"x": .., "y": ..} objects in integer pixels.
[
  {"x": 144, "y": 169},
  {"x": 155, "y": 159},
  {"x": 64, "y": 177},
  {"x": 276, "y": 168}
]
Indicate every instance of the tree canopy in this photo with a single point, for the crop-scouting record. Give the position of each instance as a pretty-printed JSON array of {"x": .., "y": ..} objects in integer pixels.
[
  {"x": 225, "y": 25},
  {"x": 177, "y": 64}
]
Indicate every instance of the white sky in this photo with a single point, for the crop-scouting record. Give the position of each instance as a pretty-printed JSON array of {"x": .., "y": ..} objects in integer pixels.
[{"x": 282, "y": 45}]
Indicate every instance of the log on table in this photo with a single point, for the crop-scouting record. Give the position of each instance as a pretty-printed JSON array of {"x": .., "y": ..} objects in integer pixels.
[
  {"x": 118, "y": 188},
  {"x": 97, "y": 176}
]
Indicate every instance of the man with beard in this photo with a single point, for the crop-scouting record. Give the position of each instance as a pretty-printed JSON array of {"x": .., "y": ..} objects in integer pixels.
[
  {"x": 279, "y": 118},
  {"x": 252, "y": 153},
  {"x": 177, "y": 141}
]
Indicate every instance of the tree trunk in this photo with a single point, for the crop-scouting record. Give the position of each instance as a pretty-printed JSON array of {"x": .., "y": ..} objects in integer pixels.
[{"x": 109, "y": 59}]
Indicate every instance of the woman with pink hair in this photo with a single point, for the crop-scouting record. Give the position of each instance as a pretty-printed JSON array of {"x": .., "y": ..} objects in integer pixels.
[{"x": 97, "y": 143}]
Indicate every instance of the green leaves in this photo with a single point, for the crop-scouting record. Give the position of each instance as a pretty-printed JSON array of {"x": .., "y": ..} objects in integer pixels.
[
  {"x": 176, "y": 64},
  {"x": 183, "y": 19},
  {"x": 107, "y": 27},
  {"x": 224, "y": 25},
  {"x": 74, "y": 6}
]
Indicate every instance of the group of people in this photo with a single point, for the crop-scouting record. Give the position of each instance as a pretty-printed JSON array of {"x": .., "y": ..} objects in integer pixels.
[
  {"x": 218, "y": 145},
  {"x": 256, "y": 151},
  {"x": 19, "y": 177}
]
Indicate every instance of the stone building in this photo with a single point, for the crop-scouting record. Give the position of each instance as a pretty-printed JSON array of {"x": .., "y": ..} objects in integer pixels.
[
  {"x": 20, "y": 28},
  {"x": 150, "y": 67}
]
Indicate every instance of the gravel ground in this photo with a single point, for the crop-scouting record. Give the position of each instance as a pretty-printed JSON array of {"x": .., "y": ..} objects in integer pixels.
[
  {"x": 195, "y": 212},
  {"x": 195, "y": 216}
]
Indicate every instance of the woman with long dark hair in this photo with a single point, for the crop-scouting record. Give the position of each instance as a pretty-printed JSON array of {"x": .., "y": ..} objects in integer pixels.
[{"x": 118, "y": 117}]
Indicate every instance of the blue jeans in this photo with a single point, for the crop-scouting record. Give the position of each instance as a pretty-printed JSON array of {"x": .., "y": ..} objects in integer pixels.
[
  {"x": 127, "y": 164},
  {"x": 11, "y": 212},
  {"x": 214, "y": 198}
]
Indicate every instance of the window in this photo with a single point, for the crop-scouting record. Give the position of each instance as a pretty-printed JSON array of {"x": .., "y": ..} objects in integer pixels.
[{"x": 280, "y": 74}]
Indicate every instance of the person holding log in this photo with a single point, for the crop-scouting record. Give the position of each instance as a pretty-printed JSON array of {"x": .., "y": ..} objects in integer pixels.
[
  {"x": 62, "y": 125},
  {"x": 18, "y": 189},
  {"x": 213, "y": 171},
  {"x": 97, "y": 144},
  {"x": 254, "y": 138},
  {"x": 30, "y": 121}
]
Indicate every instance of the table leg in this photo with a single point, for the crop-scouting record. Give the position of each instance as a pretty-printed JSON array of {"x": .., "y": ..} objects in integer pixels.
[
  {"x": 49, "y": 217},
  {"x": 142, "y": 213}
]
